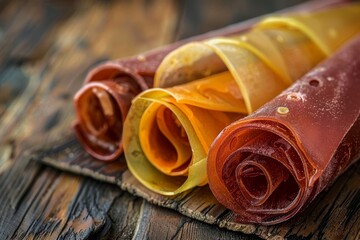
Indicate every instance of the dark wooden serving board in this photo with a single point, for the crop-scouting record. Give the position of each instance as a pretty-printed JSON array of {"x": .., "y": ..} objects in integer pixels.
[{"x": 334, "y": 214}]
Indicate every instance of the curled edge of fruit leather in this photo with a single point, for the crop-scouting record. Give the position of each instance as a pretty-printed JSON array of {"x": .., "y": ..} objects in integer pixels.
[
  {"x": 143, "y": 168},
  {"x": 200, "y": 59},
  {"x": 102, "y": 103},
  {"x": 270, "y": 165},
  {"x": 104, "y": 100}
]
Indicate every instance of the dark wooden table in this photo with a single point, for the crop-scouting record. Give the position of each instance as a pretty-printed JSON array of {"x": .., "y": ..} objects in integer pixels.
[{"x": 46, "y": 49}]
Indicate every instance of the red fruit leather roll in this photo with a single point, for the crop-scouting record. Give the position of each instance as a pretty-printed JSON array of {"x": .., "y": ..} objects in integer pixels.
[
  {"x": 270, "y": 165},
  {"x": 104, "y": 100}
]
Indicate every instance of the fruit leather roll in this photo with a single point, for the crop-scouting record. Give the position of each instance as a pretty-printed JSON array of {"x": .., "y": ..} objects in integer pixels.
[
  {"x": 268, "y": 166},
  {"x": 103, "y": 102},
  {"x": 168, "y": 131}
]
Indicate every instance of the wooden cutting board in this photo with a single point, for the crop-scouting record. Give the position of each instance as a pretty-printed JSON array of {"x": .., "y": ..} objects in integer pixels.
[{"x": 333, "y": 215}]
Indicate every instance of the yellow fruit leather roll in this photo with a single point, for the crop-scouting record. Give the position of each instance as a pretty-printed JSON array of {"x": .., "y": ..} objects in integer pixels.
[{"x": 204, "y": 86}]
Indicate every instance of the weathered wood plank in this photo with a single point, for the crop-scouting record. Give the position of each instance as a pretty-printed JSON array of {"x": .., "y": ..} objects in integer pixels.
[
  {"x": 124, "y": 215},
  {"x": 47, "y": 203},
  {"x": 173, "y": 226},
  {"x": 334, "y": 214}
]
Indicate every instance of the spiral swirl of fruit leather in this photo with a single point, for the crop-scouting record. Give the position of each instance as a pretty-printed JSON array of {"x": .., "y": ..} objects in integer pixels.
[
  {"x": 104, "y": 100},
  {"x": 270, "y": 165},
  {"x": 168, "y": 131}
]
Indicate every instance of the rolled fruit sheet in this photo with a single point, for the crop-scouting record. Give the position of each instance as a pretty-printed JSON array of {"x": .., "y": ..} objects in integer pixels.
[
  {"x": 104, "y": 100},
  {"x": 168, "y": 131},
  {"x": 270, "y": 165}
]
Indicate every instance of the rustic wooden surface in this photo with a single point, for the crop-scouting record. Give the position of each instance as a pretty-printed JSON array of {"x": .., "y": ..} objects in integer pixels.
[
  {"x": 334, "y": 214},
  {"x": 46, "y": 48}
]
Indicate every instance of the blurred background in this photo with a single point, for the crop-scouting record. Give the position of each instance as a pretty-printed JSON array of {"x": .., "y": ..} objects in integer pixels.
[{"x": 33, "y": 31}]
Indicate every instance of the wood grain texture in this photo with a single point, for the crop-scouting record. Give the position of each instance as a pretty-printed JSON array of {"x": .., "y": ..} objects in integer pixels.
[
  {"x": 46, "y": 203},
  {"x": 335, "y": 214}
]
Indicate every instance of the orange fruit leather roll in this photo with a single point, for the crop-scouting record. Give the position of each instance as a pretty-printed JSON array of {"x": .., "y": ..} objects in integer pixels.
[
  {"x": 268, "y": 166},
  {"x": 104, "y": 100},
  {"x": 209, "y": 84}
]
